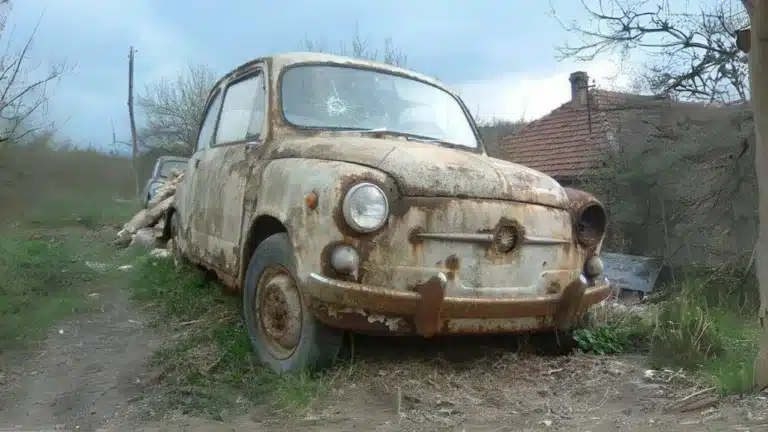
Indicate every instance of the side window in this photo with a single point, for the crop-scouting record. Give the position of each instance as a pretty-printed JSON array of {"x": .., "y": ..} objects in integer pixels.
[
  {"x": 206, "y": 129},
  {"x": 243, "y": 101}
]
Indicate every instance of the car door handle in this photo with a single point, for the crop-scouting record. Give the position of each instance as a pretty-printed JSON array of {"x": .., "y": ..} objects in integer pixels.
[{"x": 197, "y": 162}]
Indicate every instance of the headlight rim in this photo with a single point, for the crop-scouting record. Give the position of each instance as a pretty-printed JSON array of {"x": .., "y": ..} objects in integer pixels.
[
  {"x": 345, "y": 207},
  {"x": 597, "y": 233}
]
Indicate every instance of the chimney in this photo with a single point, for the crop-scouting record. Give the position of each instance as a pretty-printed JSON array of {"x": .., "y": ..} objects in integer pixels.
[{"x": 579, "y": 83}]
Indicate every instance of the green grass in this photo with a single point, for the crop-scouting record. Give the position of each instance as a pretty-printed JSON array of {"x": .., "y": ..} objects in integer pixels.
[
  {"x": 208, "y": 365},
  {"x": 706, "y": 326},
  {"x": 79, "y": 209},
  {"x": 42, "y": 278}
]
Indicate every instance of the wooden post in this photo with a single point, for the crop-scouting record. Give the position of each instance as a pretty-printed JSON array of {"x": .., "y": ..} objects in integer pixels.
[
  {"x": 758, "y": 79},
  {"x": 134, "y": 144}
]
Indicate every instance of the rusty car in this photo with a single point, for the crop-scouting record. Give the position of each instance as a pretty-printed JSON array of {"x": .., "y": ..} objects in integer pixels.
[{"x": 337, "y": 194}]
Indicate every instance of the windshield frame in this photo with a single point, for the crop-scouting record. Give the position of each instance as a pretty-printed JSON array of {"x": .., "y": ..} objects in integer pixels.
[
  {"x": 479, "y": 149},
  {"x": 161, "y": 163}
]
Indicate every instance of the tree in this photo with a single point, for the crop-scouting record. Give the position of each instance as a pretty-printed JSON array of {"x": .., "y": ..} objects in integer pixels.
[
  {"x": 361, "y": 48},
  {"x": 758, "y": 74},
  {"x": 691, "y": 54},
  {"x": 173, "y": 109},
  {"x": 23, "y": 92},
  {"x": 494, "y": 130}
]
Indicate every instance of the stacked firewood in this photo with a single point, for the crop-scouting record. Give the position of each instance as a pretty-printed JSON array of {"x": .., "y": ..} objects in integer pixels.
[{"x": 146, "y": 227}]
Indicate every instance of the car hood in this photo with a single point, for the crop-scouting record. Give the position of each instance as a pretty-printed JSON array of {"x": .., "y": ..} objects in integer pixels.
[{"x": 428, "y": 170}]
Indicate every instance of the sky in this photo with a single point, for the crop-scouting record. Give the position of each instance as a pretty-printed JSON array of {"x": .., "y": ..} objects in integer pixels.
[{"x": 498, "y": 55}]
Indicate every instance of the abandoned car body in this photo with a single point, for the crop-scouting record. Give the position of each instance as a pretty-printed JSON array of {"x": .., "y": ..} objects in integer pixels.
[
  {"x": 347, "y": 194},
  {"x": 163, "y": 168}
]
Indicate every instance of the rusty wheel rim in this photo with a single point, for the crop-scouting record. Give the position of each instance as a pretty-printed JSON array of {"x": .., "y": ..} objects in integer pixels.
[{"x": 279, "y": 311}]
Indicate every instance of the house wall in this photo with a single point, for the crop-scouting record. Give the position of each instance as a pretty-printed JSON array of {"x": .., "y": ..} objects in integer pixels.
[{"x": 681, "y": 186}]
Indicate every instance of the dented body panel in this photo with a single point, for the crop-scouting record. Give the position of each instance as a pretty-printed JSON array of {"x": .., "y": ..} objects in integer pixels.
[{"x": 471, "y": 243}]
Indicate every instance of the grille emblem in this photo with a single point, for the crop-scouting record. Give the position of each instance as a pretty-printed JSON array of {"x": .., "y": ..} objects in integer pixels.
[{"x": 506, "y": 238}]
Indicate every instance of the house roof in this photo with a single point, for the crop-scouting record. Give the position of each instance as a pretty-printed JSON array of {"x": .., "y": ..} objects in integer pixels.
[{"x": 562, "y": 144}]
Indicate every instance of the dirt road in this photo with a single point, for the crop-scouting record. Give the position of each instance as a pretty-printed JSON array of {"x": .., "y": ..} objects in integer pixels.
[{"x": 92, "y": 370}]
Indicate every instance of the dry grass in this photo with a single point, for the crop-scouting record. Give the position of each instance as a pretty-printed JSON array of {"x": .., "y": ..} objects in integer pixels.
[
  {"x": 205, "y": 368},
  {"x": 499, "y": 387}
]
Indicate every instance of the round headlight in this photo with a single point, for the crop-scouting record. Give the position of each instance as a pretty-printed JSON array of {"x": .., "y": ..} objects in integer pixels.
[{"x": 365, "y": 207}]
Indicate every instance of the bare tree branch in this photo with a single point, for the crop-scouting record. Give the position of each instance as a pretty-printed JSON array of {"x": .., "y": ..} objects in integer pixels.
[
  {"x": 173, "y": 110},
  {"x": 361, "y": 48},
  {"x": 493, "y": 131},
  {"x": 23, "y": 100},
  {"x": 692, "y": 55}
]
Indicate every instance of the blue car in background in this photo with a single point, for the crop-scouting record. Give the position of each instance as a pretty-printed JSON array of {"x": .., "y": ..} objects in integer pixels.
[{"x": 163, "y": 167}]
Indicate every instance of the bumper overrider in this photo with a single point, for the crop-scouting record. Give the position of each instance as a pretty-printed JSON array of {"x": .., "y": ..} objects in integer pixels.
[{"x": 426, "y": 309}]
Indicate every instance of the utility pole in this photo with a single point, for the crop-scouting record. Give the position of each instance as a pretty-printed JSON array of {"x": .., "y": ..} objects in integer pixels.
[{"x": 134, "y": 144}]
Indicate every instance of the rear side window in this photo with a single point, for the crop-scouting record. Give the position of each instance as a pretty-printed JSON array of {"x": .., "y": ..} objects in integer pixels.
[
  {"x": 242, "y": 113},
  {"x": 206, "y": 129}
]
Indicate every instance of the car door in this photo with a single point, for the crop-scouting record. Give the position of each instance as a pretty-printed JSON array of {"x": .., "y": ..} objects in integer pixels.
[
  {"x": 190, "y": 203},
  {"x": 229, "y": 164}
]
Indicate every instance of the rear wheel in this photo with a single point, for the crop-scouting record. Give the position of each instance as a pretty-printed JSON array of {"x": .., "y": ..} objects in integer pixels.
[{"x": 283, "y": 333}]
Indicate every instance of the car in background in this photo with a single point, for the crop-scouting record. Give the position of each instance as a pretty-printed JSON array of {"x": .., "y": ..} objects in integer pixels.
[{"x": 163, "y": 167}]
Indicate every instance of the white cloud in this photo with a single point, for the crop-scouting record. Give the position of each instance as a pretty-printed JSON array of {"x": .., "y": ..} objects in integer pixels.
[{"x": 529, "y": 95}]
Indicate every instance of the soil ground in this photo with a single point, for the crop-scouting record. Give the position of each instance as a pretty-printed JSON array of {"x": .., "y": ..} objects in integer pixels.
[{"x": 92, "y": 370}]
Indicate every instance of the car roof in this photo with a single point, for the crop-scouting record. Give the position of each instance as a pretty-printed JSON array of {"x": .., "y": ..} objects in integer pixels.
[{"x": 284, "y": 59}]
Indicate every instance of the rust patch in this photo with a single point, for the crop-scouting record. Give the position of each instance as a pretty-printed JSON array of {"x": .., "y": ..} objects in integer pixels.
[
  {"x": 416, "y": 241},
  {"x": 452, "y": 262},
  {"x": 361, "y": 321},
  {"x": 553, "y": 288},
  {"x": 429, "y": 307},
  {"x": 311, "y": 200},
  {"x": 414, "y": 237},
  {"x": 364, "y": 249},
  {"x": 452, "y": 265},
  {"x": 541, "y": 324}
]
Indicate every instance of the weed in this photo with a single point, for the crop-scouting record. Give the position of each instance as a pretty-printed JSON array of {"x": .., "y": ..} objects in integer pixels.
[
  {"x": 603, "y": 339},
  {"x": 41, "y": 283},
  {"x": 703, "y": 325},
  {"x": 209, "y": 365}
]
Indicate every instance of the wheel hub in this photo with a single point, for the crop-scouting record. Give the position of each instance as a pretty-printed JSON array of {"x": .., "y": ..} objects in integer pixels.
[{"x": 280, "y": 311}]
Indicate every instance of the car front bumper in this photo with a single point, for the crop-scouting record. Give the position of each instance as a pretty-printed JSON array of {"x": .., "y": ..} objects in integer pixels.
[{"x": 427, "y": 311}]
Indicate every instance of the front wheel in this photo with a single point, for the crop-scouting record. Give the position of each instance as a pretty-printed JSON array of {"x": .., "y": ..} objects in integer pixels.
[{"x": 283, "y": 333}]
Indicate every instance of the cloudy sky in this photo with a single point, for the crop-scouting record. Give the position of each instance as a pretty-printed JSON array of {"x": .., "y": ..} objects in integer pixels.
[{"x": 500, "y": 55}]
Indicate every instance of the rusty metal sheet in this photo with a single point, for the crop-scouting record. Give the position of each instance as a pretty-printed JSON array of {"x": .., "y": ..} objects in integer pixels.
[{"x": 631, "y": 272}]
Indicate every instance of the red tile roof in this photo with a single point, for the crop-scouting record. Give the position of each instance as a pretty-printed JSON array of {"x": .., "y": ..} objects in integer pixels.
[{"x": 560, "y": 144}]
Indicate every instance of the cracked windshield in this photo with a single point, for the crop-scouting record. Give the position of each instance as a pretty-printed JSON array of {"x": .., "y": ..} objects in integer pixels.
[{"x": 349, "y": 98}]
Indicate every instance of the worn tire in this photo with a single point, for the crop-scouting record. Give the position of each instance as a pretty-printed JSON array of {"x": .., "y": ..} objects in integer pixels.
[{"x": 318, "y": 345}]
